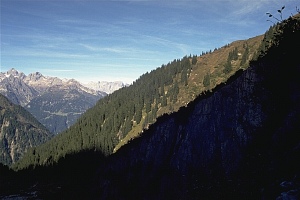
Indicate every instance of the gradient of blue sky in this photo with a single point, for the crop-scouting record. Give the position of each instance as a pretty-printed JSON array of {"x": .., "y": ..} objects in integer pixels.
[{"x": 120, "y": 40}]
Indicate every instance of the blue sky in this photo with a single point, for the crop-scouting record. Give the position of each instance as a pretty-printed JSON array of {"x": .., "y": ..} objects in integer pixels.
[{"x": 121, "y": 40}]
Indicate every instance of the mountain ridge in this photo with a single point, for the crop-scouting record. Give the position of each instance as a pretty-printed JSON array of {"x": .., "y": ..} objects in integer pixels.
[
  {"x": 40, "y": 83},
  {"x": 55, "y": 102},
  {"x": 106, "y": 86}
]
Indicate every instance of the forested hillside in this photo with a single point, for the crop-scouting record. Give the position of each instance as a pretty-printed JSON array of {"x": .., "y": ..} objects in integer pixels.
[
  {"x": 122, "y": 115},
  {"x": 19, "y": 131},
  {"x": 240, "y": 141}
]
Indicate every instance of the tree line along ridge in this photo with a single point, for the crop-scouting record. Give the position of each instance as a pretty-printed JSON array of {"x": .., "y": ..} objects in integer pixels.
[{"x": 122, "y": 115}]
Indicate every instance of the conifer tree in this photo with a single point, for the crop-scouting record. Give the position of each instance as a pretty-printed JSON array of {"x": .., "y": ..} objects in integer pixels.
[
  {"x": 138, "y": 116},
  {"x": 227, "y": 67},
  {"x": 194, "y": 59},
  {"x": 164, "y": 101},
  {"x": 206, "y": 80}
]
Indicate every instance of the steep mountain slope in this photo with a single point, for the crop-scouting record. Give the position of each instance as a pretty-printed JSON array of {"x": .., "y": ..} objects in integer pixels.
[
  {"x": 56, "y": 103},
  {"x": 122, "y": 115},
  {"x": 19, "y": 131},
  {"x": 191, "y": 77},
  {"x": 239, "y": 141}
]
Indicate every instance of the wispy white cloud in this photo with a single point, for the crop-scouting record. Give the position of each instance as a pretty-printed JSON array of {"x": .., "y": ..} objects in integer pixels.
[
  {"x": 123, "y": 38},
  {"x": 118, "y": 50},
  {"x": 242, "y": 8}
]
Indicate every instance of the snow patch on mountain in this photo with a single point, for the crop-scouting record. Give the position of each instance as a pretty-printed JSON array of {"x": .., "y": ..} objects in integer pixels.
[{"x": 105, "y": 86}]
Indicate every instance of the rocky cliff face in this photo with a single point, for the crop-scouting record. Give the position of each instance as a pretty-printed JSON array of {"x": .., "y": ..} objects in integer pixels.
[
  {"x": 21, "y": 89},
  {"x": 17, "y": 90},
  {"x": 241, "y": 140}
]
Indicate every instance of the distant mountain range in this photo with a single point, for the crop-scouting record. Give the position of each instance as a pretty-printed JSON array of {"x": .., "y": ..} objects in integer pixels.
[
  {"x": 105, "y": 86},
  {"x": 56, "y": 103}
]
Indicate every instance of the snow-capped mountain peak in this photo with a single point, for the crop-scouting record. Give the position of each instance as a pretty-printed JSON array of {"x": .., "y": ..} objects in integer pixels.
[
  {"x": 56, "y": 103},
  {"x": 35, "y": 77},
  {"x": 105, "y": 86},
  {"x": 15, "y": 73}
]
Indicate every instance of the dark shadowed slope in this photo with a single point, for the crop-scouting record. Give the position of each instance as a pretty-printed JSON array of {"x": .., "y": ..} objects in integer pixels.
[{"x": 240, "y": 141}]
